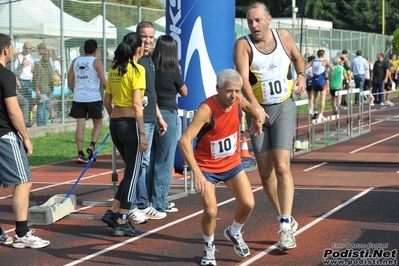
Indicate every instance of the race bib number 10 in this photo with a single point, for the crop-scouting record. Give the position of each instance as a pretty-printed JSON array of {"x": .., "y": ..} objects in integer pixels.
[
  {"x": 275, "y": 90},
  {"x": 224, "y": 147}
]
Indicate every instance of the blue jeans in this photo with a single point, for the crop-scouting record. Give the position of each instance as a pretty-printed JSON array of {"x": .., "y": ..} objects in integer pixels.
[
  {"x": 359, "y": 83},
  {"x": 141, "y": 200},
  {"x": 163, "y": 155},
  {"x": 43, "y": 110},
  {"x": 378, "y": 91},
  {"x": 26, "y": 91}
]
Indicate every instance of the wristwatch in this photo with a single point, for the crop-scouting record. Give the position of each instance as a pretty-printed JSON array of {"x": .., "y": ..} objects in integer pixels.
[
  {"x": 302, "y": 73},
  {"x": 142, "y": 133}
]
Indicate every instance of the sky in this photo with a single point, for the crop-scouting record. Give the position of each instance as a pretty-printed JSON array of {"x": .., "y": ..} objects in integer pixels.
[{"x": 162, "y": 1}]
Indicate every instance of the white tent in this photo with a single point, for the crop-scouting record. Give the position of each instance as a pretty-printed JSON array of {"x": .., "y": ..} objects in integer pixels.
[
  {"x": 41, "y": 19},
  {"x": 98, "y": 22}
]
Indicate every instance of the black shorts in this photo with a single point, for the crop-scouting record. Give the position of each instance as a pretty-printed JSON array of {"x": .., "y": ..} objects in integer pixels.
[
  {"x": 87, "y": 110},
  {"x": 309, "y": 88},
  {"x": 332, "y": 92}
]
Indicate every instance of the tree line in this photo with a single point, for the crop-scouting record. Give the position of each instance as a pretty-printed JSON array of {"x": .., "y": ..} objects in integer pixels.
[{"x": 356, "y": 15}]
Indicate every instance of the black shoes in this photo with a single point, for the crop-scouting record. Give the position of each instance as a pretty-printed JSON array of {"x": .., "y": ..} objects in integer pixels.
[
  {"x": 126, "y": 229},
  {"x": 110, "y": 218}
]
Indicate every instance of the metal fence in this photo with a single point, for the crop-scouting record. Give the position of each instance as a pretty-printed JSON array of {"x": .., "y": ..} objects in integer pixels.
[{"x": 50, "y": 22}]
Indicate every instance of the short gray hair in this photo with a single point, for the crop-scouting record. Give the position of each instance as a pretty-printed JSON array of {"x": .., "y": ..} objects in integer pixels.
[
  {"x": 336, "y": 60},
  {"x": 228, "y": 75}
]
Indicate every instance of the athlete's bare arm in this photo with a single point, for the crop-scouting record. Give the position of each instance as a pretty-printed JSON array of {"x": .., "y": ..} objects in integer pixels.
[
  {"x": 294, "y": 54},
  {"x": 200, "y": 118},
  {"x": 242, "y": 59},
  {"x": 256, "y": 125}
]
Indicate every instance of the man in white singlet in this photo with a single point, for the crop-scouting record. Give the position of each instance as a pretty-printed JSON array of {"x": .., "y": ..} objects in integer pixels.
[
  {"x": 263, "y": 58},
  {"x": 86, "y": 75}
]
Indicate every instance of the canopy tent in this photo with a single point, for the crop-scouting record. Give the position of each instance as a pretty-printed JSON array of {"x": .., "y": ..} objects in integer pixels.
[
  {"x": 40, "y": 20},
  {"x": 98, "y": 22}
]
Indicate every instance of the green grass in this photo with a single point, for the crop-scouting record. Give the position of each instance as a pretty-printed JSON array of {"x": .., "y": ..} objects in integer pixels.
[{"x": 60, "y": 147}]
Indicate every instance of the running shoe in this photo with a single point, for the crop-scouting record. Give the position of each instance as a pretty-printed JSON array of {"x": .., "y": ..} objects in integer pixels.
[
  {"x": 110, "y": 218},
  {"x": 371, "y": 103},
  {"x": 30, "y": 240},
  {"x": 90, "y": 151},
  {"x": 209, "y": 254},
  {"x": 287, "y": 239},
  {"x": 137, "y": 217},
  {"x": 171, "y": 207},
  {"x": 294, "y": 225},
  {"x": 389, "y": 103},
  {"x": 240, "y": 247},
  {"x": 5, "y": 239},
  {"x": 126, "y": 229},
  {"x": 153, "y": 214},
  {"x": 81, "y": 159}
]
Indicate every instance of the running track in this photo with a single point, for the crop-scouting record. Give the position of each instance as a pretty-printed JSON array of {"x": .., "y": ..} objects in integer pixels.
[{"x": 345, "y": 193}]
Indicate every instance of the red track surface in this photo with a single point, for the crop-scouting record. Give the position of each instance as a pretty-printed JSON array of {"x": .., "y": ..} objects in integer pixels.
[{"x": 327, "y": 180}]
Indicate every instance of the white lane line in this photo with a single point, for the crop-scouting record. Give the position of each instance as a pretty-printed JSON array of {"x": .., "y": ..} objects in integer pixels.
[
  {"x": 306, "y": 227},
  {"x": 316, "y": 166},
  {"x": 147, "y": 233},
  {"x": 374, "y": 143},
  {"x": 63, "y": 183}
]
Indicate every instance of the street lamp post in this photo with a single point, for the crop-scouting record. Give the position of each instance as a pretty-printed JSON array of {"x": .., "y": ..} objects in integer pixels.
[{"x": 383, "y": 17}]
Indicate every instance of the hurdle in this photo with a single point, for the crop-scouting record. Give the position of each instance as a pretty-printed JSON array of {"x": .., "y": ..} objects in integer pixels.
[{"x": 301, "y": 146}]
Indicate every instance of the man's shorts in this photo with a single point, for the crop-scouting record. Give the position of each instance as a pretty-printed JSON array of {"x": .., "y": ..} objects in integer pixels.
[
  {"x": 14, "y": 166},
  {"x": 278, "y": 129},
  {"x": 333, "y": 92},
  {"x": 223, "y": 177},
  {"x": 319, "y": 87},
  {"x": 87, "y": 110}
]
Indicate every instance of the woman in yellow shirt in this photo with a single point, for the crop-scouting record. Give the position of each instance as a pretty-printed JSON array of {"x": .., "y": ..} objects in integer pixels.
[{"x": 125, "y": 88}]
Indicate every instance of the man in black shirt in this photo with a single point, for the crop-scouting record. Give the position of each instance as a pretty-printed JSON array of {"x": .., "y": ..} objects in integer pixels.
[
  {"x": 13, "y": 153},
  {"x": 380, "y": 75},
  {"x": 141, "y": 207}
]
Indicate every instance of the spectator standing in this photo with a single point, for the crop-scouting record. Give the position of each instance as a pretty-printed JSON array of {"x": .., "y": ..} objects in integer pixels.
[
  {"x": 391, "y": 79},
  {"x": 168, "y": 83},
  {"x": 265, "y": 55},
  {"x": 336, "y": 83},
  {"x": 85, "y": 77},
  {"x": 43, "y": 85},
  {"x": 347, "y": 79},
  {"x": 24, "y": 66},
  {"x": 380, "y": 76},
  {"x": 123, "y": 101},
  {"x": 359, "y": 67},
  {"x": 221, "y": 165},
  {"x": 142, "y": 208},
  {"x": 15, "y": 147}
]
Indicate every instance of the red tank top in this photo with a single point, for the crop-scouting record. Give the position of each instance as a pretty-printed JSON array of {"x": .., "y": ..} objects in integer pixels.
[{"x": 217, "y": 145}]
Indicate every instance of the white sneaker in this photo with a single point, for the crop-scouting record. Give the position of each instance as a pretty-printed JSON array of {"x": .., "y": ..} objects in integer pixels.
[
  {"x": 171, "y": 207},
  {"x": 371, "y": 103},
  {"x": 30, "y": 240},
  {"x": 137, "y": 217},
  {"x": 389, "y": 103},
  {"x": 153, "y": 214},
  {"x": 320, "y": 116},
  {"x": 382, "y": 104},
  {"x": 5, "y": 239}
]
